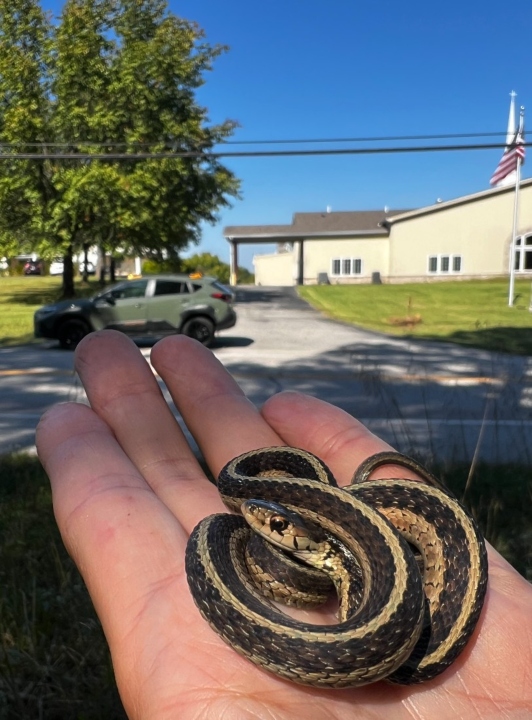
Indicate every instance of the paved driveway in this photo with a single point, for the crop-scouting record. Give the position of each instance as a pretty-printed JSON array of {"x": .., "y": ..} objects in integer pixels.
[
  {"x": 434, "y": 399},
  {"x": 437, "y": 400}
]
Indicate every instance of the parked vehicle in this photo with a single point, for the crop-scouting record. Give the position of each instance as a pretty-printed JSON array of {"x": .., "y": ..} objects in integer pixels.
[
  {"x": 33, "y": 267},
  {"x": 147, "y": 307},
  {"x": 56, "y": 267},
  {"x": 91, "y": 270}
]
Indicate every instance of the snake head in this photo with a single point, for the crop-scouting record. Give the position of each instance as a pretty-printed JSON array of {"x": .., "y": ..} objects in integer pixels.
[{"x": 279, "y": 526}]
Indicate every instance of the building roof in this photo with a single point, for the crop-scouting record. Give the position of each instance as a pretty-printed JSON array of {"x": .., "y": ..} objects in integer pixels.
[
  {"x": 348, "y": 223},
  {"x": 408, "y": 214},
  {"x": 318, "y": 224}
]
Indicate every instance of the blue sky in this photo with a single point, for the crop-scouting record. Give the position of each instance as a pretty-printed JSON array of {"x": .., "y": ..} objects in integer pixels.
[{"x": 310, "y": 69}]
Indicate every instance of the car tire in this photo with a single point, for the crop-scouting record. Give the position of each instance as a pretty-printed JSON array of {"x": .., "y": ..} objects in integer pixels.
[
  {"x": 71, "y": 332},
  {"x": 199, "y": 328}
]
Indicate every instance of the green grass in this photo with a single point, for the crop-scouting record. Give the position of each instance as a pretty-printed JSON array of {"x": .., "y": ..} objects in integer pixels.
[
  {"x": 54, "y": 661},
  {"x": 19, "y": 298},
  {"x": 497, "y": 497},
  {"x": 471, "y": 313}
]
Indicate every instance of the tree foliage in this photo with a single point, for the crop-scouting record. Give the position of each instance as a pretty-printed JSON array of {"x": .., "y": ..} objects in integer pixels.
[
  {"x": 24, "y": 118},
  {"x": 204, "y": 263},
  {"x": 111, "y": 76}
]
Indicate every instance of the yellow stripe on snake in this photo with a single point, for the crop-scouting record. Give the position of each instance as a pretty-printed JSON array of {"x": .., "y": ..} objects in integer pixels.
[{"x": 369, "y": 540}]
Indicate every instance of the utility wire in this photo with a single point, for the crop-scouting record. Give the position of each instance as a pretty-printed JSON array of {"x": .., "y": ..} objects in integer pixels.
[
  {"x": 294, "y": 141},
  {"x": 249, "y": 154},
  {"x": 366, "y": 139}
]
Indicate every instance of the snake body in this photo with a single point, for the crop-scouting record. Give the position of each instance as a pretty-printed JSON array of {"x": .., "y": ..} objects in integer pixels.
[{"x": 396, "y": 625}]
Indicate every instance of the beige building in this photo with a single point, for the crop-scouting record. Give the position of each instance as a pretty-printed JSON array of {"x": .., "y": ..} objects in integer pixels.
[{"x": 469, "y": 237}]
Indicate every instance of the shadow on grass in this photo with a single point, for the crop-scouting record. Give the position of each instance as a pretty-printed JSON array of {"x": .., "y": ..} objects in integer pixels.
[
  {"x": 514, "y": 340},
  {"x": 9, "y": 341},
  {"x": 496, "y": 496},
  {"x": 35, "y": 295},
  {"x": 54, "y": 661}
]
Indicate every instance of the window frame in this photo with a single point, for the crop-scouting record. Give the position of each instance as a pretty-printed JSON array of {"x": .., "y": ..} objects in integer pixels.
[
  {"x": 354, "y": 262},
  {"x": 521, "y": 250},
  {"x": 450, "y": 259}
]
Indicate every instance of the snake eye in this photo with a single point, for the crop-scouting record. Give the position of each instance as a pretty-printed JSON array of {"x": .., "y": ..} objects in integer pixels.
[{"x": 278, "y": 523}]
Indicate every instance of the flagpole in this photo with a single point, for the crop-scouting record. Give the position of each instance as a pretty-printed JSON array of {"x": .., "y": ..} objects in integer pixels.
[
  {"x": 519, "y": 138},
  {"x": 514, "y": 234}
]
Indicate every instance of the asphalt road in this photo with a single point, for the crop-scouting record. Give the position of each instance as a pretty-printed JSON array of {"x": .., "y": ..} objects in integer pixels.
[{"x": 437, "y": 401}]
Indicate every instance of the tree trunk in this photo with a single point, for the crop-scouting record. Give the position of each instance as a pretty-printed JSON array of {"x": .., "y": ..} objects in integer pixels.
[
  {"x": 112, "y": 270},
  {"x": 85, "y": 273},
  {"x": 103, "y": 269},
  {"x": 68, "y": 274}
]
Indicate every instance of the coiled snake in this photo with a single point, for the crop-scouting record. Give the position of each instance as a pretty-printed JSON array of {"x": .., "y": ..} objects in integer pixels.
[{"x": 395, "y": 622}]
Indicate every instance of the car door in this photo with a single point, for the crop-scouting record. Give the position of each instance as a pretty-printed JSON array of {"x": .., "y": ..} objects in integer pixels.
[
  {"x": 170, "y": 298},
  {"x": 124, "y": 308}
]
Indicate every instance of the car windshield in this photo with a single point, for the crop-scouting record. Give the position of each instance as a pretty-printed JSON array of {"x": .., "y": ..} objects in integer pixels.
[
  {"x": 107, "y": 292},
  {"x": 133, "y": 289}
]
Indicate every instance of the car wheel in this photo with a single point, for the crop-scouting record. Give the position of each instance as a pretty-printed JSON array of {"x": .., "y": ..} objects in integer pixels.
[
  {"x": 199, "y": 328},
  {"x": 71, "y": 332}
]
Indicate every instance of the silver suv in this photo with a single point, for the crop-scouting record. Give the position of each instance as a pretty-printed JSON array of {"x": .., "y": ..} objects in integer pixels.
[{"x": 153, "y": 306}]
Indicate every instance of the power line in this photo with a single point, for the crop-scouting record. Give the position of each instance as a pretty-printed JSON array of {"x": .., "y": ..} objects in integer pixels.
[
  {"x": 282, "y": 141},
  {"x": 251, "y": 153},
  {"x": 383, "y": 138}
]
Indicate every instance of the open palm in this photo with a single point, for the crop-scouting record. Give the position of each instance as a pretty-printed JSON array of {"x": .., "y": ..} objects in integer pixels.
[{"x": 128, "y": 491}]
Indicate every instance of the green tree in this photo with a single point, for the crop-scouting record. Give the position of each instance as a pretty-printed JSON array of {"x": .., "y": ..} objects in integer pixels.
[
  {"x": 204, "y": 263},
  {"x": 161, "y": 61},
  {"x": 80, "y": 101},
  {"x": 209, "y": 264},
  {"x": 24, "y": 120},
  {"x": 113, "y": 76}
]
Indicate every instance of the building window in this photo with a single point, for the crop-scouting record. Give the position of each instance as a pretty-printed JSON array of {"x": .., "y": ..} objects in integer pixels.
[
  {"x": 523, "y": 253},
  {"x": 346, "y": 267},
  {"x": 445, "y": 264}
]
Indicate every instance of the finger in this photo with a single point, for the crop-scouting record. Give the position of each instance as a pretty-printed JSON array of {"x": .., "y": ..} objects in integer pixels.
[
  {"x": 337, "y": 438},
  {"x": 123, "y": 391},
  {"x": 130, "y": 550},
  {"x": 222, "y": 420},
  {"x": 111, "y": 522}
]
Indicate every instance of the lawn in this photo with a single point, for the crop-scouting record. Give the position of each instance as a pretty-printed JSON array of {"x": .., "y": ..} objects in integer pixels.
[
  {"x": 19, "y": 298},
  {"x": 473, "y": 313},
  {"x": 54, "y": 660}
]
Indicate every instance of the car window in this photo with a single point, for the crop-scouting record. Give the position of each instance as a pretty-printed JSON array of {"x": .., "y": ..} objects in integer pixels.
[
  {"x": 196, "y": 287},
  {"x": 130, "y": 290},
  {"x": 170, "y": 287}
]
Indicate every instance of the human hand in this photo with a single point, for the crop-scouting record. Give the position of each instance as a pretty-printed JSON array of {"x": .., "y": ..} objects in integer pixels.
[{"x": 128, "y": 491}]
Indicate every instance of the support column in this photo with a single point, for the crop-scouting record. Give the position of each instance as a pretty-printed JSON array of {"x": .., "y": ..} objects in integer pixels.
[
  {"x": 233, "y": 263},
  {"x": 300, "y": 264}
]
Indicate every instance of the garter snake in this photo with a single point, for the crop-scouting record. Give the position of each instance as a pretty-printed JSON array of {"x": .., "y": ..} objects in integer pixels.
[{"x": 397, "y": 625}]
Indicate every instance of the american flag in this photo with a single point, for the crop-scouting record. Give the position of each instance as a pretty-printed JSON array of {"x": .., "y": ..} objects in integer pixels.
[{"x": 514, "y": 152}]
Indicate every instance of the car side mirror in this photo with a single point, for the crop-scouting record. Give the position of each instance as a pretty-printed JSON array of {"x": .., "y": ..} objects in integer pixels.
[{"x": 105, "y": 300}]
